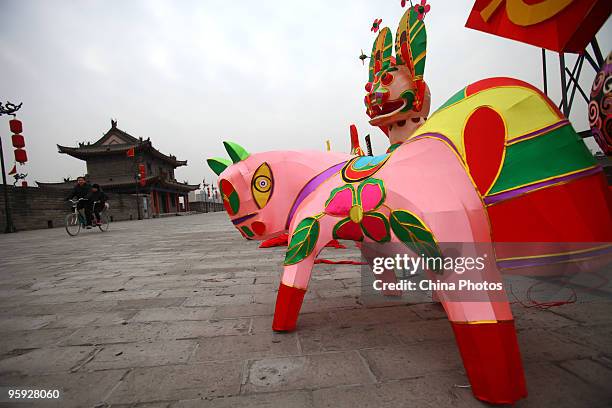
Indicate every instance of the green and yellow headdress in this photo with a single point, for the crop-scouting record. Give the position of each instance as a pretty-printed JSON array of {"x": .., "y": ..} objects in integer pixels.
[{"x": 410, "y": 49}]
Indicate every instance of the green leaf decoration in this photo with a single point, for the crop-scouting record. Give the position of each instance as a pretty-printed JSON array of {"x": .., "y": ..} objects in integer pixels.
[
  {"x": 303, "y": 241},
  {"x": 413, "y": 233},
  {"x": 236, "y": 152},
  {"x": 218, "y": 164}
]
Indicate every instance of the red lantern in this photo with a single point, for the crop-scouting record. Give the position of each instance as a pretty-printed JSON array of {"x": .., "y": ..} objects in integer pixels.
[
  {"x": 21, "y": 156},
  {"x": 18, "y": 141},
  {"x": 16, "y": 126},
  {"x": 24, "y": 183}
]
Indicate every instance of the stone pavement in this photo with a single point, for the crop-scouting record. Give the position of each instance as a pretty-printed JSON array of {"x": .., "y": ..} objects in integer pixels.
[{"x": 177, "y": 312}]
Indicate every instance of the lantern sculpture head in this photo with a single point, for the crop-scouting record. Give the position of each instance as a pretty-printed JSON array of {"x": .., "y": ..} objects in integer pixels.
[
  {"x": 396, "y": 91},
  {"x": 247, "y": 186}
]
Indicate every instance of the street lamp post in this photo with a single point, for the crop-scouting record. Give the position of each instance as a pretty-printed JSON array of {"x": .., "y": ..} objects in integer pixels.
[{"x": 7, "y": 109}]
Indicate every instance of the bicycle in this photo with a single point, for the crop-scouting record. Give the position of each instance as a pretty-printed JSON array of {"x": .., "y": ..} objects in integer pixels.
[{"x": 75, "y": 220}]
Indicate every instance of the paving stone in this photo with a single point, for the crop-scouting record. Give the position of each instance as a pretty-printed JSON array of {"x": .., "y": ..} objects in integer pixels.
[
  {"x": 376, "y": 315},
  {"x": 32, "y": 339},
  {"x": 399, "y": 362},
  {"x": 312, "y": 371},
  {"x": 292, "y": 399},
  {"x": 429, "y": 310},
  {"x": 415, "y": 332},
  {"x": 536, "y": 319},
  {"x": 546, "y": 345},
  {"x": 133, "y": 355},
  {"x": 44, "y": 360},
  {"x": 116, "y": 334},
  {"x": 345, "y": 338},
  {"x": 128, "y": 295},
  {"x": 165, "y": 404},
  {"x": 246, "y": 347},
  {"x": 75, "y": 320},
  {"x": 63, "y": 308},
  {"x": 551, "y": 386},
  {"x": 188, "y": 292},
  {"x": 140, "y": 304},
  {"x": 591, "y": 372},
  {"x": 67, "y": 298},
  {"x": 595, "y": 337},
  {"x": 174, "y": 382},
  {"x": 248, "y": 289},
  {"x": 433, "y": 391},
  {"x": 173, "y": 314},
  {"x": 229, "y": 311},
  {"x": 218, "y": 300},
  {"x": 17, "y": 323},
  {"x": 595, "y": 312},
  {"x": 208, "y": 328}
]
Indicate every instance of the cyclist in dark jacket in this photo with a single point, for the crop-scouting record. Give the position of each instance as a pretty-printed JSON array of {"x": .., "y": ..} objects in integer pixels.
[
  {"x": 81, "y": 191},
  {"x": 97, "y": 199}
]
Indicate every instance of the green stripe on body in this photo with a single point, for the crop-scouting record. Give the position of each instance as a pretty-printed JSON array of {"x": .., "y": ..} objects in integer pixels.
[{"x": 554, "y": 154}]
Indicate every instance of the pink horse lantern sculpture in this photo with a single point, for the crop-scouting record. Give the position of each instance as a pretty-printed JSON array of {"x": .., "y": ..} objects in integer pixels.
[{"x": 483, "y": 168}]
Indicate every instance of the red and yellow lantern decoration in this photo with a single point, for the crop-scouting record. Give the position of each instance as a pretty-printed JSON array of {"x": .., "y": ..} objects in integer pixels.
[{"x": 18, "y": 141}]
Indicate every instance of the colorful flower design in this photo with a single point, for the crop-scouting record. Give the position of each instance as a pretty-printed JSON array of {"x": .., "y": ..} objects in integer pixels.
[
  {"x": 358, "y": 209},
  {"x": 376, "y": 25},
  {"x": 422, "y": 9}
]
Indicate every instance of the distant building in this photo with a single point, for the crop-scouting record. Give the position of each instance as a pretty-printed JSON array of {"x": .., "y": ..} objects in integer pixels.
[{"x": 110, "y": 164}]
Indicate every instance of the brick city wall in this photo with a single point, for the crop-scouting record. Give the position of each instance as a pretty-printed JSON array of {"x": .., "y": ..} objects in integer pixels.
[
  {"x": 205, "y": 206},
  {"x": 36, "y": 208}
]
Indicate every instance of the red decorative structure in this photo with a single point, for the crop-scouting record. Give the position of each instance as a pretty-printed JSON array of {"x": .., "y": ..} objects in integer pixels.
[
  {"x": 562, "y": 26},
  {"x": 18, "y": 141},
  {"x": 21, "y": 156},
  {"x": 15, "y": 126},
  {"x": 142, "y": 175}
]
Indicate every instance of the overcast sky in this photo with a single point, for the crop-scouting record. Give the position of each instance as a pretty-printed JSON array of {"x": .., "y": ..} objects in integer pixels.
[{"x": 189, "y": 74}]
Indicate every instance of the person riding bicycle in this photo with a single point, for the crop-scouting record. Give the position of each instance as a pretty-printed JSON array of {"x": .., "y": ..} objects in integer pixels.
[
  {"x": 80, "y": 191},
  {"x": 97, "y": 199}
]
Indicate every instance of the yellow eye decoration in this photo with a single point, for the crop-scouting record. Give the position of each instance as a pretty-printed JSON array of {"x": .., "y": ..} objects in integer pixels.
[{"x": 261, "y": 185}]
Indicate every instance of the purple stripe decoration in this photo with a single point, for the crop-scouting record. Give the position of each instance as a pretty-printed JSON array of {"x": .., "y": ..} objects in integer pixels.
[
  {"x": 436, "y": 136},
  {"x": 243, "y": 219},
  {"x": 506, "y": 195},
  {"x": 310, "y": 187},
  {"x": 551, "y": 259},
  {"x": 540, "y": 131}
]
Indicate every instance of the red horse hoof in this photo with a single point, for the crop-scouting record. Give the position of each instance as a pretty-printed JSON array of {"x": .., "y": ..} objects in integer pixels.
[
  {"x": 492, "y": 361},
  {"x": 288, "y": 304}
]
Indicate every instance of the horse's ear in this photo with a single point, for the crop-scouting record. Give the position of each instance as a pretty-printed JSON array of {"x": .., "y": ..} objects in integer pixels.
[
  {"x": 411, "y": 43},
  {"x": 218, "y": 164},
  {"x": 236, "y": 152},
  {"x": 381, "y": 52}
]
